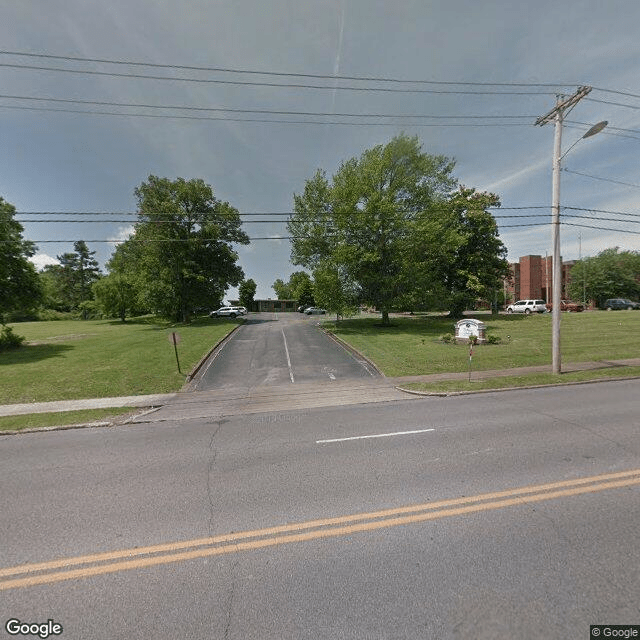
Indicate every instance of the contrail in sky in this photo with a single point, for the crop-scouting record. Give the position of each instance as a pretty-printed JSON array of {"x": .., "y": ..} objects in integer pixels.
[{"x": 336, "y": 66}]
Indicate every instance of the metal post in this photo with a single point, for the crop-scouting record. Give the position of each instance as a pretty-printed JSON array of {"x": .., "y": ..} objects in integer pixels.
[
  {"x": 563, "y": 105},
  {"x": 555, "y": 239}
]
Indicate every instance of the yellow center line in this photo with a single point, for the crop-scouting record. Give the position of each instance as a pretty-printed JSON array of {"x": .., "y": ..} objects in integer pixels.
[{"x": 332, "y": 527}]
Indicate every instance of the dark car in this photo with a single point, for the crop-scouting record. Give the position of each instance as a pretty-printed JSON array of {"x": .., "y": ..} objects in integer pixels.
[{"x": 612, "y": 304}]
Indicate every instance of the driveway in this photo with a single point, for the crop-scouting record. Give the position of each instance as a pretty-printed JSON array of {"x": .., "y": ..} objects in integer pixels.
[{"x": 275, "y": 349}]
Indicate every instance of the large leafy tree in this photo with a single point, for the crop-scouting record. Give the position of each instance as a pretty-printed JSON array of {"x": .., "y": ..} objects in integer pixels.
[
  {"x": 363, "y": 220},
  {"x": 19, "y": 284},
  {"x": 456, "y": 253},
  {"x": 610, "y": 274},
  {"x": 183, "y": 246},
  {"x": 69, "y": 283},
  {"x": 298, "y": 285},
  {"x": 247, "y": 292}
]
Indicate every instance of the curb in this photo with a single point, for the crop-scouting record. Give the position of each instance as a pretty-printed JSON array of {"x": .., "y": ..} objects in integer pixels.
[
  {"x": 194, "y": 372},
  {"x": 80, "y": 425},
  {"x": 445, "y": 394},
  {"x": 352, "y": 350}
]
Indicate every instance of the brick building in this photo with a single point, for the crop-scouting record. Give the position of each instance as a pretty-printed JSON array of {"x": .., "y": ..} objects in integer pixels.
[{"x": 532, "y": 278}]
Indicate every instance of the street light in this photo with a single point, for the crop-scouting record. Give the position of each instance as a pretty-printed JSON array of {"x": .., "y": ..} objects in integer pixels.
[
  {"x": 557, "y": 114},
  {"x": 555, "y": 237}
]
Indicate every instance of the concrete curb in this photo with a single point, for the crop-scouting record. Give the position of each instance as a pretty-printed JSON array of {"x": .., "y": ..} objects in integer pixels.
[
  {"x": 194, "y": 372},
  {"x": 80, "y": 425},
  {"x": 352, "y": 350},
  {"x": 444, "y": 394}
]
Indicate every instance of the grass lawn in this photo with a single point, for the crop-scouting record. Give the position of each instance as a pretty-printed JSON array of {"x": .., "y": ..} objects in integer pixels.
[
  {"x": 478, "y": 383},
  {"x": 32, "y": 420},
  {"x": 74, "y": 359},
  {"x": 413, "y": 346}
]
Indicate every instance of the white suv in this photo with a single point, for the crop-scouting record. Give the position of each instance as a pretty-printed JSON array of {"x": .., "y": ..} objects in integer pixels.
[
  {"x": 527, "y": 306},
  {"x": 230, "y": 312}
]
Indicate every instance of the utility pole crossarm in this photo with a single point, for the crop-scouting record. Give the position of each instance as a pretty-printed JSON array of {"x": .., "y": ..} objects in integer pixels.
[{"x": 562, "y": 106}]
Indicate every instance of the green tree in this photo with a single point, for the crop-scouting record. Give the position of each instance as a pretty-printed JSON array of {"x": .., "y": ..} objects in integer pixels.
[
  {"x": 610, "y": 274},
  {"x": 116, "y": 295},
  {"x": 182, "y": 249},
  {"x": 298, "y": 286},
  {"x": 68, "y": 284},
  {"x": 247, "y": 292},
  {"x": 334, "y": 292},
  {"x": 456, "y": 252},
  {"x": 363, "y": 220},
  {"x": 87, "y": 272},
  {"x": 20, "y": 287}
]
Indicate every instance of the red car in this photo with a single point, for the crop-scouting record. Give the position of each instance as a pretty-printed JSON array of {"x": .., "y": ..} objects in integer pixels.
[{"x": 567, "y": 305}]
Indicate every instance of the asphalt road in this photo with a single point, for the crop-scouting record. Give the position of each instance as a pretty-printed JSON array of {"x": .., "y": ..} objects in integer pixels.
[
  {"x": 280, "y": 348},
  {"x": 500, "y": 515}
]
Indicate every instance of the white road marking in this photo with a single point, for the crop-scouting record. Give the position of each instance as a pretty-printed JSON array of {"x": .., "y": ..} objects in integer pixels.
[
  {"x": 377, "y": 435},
  {"x": 288, "y": 358}
]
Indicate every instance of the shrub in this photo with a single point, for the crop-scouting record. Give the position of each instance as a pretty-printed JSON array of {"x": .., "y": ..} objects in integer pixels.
[
  {"x": 9, "y": 340},
  {"x": 491, "y": 339},
  {"x": 447, "y": 338}
]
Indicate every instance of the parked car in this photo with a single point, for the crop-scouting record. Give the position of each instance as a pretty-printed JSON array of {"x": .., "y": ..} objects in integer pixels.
[
  {"x": 243, "y": 310},
  {"x": 229, "y": 312},
  {"x": 613, "y": 304},
  {"x": 527, "y": 306},
  {"x": 314, "y": 310},
  {"x": 566, "y": 305}
]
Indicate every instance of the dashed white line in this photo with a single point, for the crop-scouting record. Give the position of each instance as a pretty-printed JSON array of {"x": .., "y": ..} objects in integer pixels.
[
  {"x": 288, "y": 358},
  {"x": 377, "y": 435}
]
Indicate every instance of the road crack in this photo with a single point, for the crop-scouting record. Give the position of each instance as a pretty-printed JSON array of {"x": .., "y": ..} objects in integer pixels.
[{"x": 210, "y": 466}]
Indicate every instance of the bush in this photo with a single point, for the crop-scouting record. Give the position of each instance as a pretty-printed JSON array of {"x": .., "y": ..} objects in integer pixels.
[
  {"x": 52, "y": 314},
  {"x": 9, "y": 340},
  {"x": 491, "y": 339},
  {"x": 447, "y": 338}
]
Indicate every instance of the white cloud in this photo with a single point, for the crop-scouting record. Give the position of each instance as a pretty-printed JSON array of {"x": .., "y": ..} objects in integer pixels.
[
  {"x": 122, "y": 234},
  {"x": 41, "y": 260}
]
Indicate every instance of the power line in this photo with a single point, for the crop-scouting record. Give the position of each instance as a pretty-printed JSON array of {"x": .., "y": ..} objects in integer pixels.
[
  {"x": 281, "y": 73},
  {"x": 584, "y": 226},
  {"x": 260, "y": 120},
  {"x": 620, "y": 93},
  {"x": 277, "y": 84},
  {"x": 615, "y": 104},
  {"x": 587, "y": 175},
  {"x": 262, "y": 111},
  {"x": 248, "y": 213},
  {"x": 609, "y": 127}
]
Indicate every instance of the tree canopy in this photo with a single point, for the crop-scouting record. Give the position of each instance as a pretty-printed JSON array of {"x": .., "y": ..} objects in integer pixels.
[
  {"x": 393, "y": 229},
  {"x": 20, "y": 287},
  {"x": 181, "y": 255},
  {"x": 610, "y": 274},
  {"x": 299, "y": 285},
  {"x": 247, "y": 292}
]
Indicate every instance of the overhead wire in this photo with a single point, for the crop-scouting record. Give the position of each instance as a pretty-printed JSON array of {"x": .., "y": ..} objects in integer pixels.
[
  {"x": 261, "y": 111},
  {"x": 249, "y": 83},
  {"x": 283, "y": 73}
]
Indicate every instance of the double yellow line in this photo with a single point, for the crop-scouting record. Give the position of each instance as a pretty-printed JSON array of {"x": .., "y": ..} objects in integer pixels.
[{"x": 29, "y": 575}]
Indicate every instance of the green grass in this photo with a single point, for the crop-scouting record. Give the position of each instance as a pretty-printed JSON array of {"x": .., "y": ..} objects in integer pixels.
[
  {"x": 530, "y": 380},
  {"x": 99, "y": 358},
  {"x": 413, "y": 345},
  {"x": 34, "y": 420}
]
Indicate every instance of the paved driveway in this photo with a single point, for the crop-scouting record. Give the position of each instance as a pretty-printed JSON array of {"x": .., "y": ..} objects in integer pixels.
[{"x": 275, "y": 349}]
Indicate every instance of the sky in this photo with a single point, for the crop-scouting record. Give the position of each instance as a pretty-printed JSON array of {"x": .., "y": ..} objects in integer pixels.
[{"x": 76, "y": 143}]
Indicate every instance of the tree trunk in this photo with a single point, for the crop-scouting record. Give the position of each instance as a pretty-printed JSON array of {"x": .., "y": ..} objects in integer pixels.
[{"x": 385, "y": 317}]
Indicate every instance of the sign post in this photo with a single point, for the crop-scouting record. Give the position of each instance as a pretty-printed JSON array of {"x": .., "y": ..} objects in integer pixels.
[{"x": 174, "y": 339}]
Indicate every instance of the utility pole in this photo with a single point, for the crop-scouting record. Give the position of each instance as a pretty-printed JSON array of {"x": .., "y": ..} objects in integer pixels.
[{"x": 563, "y": 105}]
